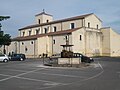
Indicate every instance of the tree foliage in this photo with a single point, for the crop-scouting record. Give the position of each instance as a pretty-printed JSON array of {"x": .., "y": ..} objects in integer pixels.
[
  {"x": 4, "y": 18},
  {"x": 5, "y": 39}
]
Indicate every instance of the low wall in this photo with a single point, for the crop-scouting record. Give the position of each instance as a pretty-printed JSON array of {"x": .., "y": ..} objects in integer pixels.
[{"x": 69, "y": 60}]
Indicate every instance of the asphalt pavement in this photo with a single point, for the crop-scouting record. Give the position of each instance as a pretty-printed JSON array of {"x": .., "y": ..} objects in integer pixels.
[{"x": 103, "y": 74}]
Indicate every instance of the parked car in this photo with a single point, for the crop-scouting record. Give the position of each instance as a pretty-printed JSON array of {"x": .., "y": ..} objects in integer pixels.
[
  {"x": 4, "y": 58},
  {"x": 84, "y": 58},
  {"x": 18, "y": 57}
]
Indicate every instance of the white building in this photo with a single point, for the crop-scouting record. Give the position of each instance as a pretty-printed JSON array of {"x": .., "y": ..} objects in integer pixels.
[{"x": 85, "y": 32}]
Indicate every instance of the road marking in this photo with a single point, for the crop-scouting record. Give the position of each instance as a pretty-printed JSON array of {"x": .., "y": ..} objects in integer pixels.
[
  {"x": 94, "y": 76},
  {"x": 97, "y": 65},
  {"x": 21, "y": 74},
  {"x": 100, "y": 65},
  {"x": 51, "y": 84},
  {"x": 6, "y": 78},
  {"x": 38, "y": 80},
  {"x": 63, "y": 75},
  {"x": 47, "y": 87},
  {"x": 72, "y": 76},
  {"x": 97, "y": 75},
  {"x": 15, "y": 70},
  {"x": 48, "y": 82},
  {"x": 90, "y": 77},
  {"x": 76, "y": 82}
]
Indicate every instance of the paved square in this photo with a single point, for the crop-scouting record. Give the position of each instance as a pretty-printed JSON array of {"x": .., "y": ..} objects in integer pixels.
[{"x": 32, "y": 75}]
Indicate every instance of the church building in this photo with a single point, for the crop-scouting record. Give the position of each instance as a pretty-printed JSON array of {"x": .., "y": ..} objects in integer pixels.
[{"x": 84, "y": 32}]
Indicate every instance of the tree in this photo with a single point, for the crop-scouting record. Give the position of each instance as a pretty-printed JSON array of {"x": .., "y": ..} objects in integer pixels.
[
  {"x": 5, "y": 40},
  {"x": 1, "y": 38},
  {"x": 4, "y": 18}
]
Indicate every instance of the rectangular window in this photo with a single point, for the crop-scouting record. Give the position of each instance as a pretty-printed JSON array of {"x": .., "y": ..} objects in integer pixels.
[
  {"x": 29, "y": 33},
  {"x": 22, "y": 43},
  {"x": 38, "y": 21},
  {"x": 31, "y": 42},
  {"x": 80, "y": 37},
  {"x": 97, "y": 26},
  {"x": 54, "y": 29},
  {"x": 66, "y": 37},
  {"x": 88, "y": 25},
  {"x": 45, "y": 30},
  {"x": 72, "y": 26},
  {"x": 37, "y": 31},
  {"x": 23, "y": 33},
  {"x": 53, "y": 41}
]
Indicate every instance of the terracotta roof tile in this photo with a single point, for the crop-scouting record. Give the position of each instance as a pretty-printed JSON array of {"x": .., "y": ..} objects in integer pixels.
[
  {"x": 33, "y": 37},
  {"x": 62, "y": 32},
  {"x": 43, "y": 13},
  {"x": 57, "y": 21}
]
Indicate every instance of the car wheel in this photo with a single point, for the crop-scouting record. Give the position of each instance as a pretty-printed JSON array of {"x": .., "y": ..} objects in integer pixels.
[
  {"x": 5, "y": 60},
  {"x": 21, "y": 59}
]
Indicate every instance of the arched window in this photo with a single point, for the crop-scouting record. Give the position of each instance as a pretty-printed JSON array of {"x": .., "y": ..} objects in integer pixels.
[
  {"x": 46, "y": 30},
  {"x": 29, "y": 32},
  {"x": 37, "y": 31},
  {"x": 47, "y": 21},
  {"x": 97, "y": 27},
  {"x": 54, "y": 29},
  {"x": 31, "y": 42},
  {"x": 23, "y": 33},
  {"x": 22, "y": 43},
  {"x": 53, "y": 41},
  {"x": 88, "y": 24},
  {"x": 80, "y": 37},
  {"x": 38, "y": 21}
]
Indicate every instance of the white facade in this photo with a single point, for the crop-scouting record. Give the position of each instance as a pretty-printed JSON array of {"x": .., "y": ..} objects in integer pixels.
[
  {"x": 111, "y": 42},
  {"x": 85, "y": 32}
]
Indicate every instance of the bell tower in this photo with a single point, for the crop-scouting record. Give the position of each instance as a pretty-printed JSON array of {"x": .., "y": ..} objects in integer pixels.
[{"x": 43, "y": 17}]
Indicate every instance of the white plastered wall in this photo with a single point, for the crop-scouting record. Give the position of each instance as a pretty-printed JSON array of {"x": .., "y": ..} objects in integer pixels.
[
  {"x": 114, "y": 43},
  {"x": 94, "y": 21},
  {"x": 79, "y": 45}
]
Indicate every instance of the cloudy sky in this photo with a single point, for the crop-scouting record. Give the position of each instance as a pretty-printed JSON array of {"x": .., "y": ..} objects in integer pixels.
[{"x": 22, "y": 12}]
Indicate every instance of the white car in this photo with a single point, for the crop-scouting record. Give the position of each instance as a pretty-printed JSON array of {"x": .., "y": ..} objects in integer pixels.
[{"x": 4, "y": 58}]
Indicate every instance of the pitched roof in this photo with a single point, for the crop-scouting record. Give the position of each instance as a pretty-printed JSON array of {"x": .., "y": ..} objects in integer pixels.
[
  {"x": 63, "y": 32},
  {"x": 57, "y": 21},
  {"x": 43, "y": 13},
  {"x": 33, "y": 37}
]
